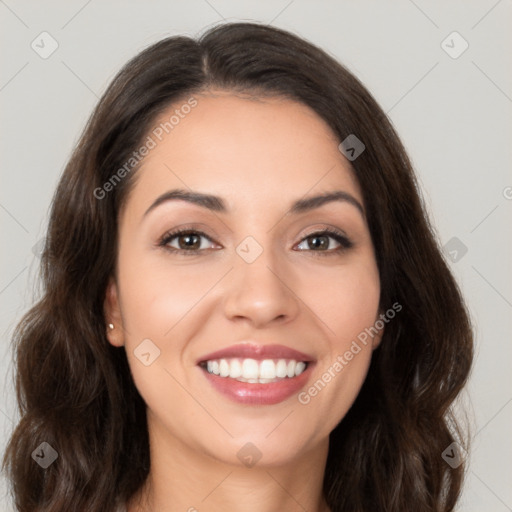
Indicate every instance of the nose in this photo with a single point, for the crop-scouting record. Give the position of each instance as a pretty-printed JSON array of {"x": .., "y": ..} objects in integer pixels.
[{"x": 260, "y": 293}]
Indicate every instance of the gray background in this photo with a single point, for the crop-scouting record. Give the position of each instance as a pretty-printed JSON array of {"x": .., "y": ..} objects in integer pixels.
[{"x": 453, "y": 114}]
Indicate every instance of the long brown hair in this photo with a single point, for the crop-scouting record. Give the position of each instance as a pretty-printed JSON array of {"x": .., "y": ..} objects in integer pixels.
[{"x": 75, "y": 390}]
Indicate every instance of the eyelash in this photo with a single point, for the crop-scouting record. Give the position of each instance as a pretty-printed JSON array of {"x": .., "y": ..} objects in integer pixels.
[{"x": 340, "y": 237}]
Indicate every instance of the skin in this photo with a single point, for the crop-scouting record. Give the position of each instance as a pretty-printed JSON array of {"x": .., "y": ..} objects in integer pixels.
[{"x": 259, "y": 156}]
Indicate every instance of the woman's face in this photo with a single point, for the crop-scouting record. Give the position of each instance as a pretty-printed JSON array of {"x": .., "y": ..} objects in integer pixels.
[{"x": 253, "y": 275}]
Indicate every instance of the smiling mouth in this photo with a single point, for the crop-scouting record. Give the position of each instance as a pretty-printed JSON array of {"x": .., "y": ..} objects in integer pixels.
[{"x": 255, "y": 371}]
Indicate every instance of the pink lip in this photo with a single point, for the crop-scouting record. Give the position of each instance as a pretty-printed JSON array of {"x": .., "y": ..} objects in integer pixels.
[
  {"x": 259, "y": 394},
  {"x": 258, "y": 352}
]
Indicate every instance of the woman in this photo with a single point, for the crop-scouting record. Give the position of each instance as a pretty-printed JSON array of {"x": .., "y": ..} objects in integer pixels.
[{"x": 245, "y": 307}]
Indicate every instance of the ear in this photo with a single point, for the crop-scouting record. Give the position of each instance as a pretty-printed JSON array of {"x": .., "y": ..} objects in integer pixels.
[
  {"x": 380, "y": 326},
  {"x": 113, "y": 316}
]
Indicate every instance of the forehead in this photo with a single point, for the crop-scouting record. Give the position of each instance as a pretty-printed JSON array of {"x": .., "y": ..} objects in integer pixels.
[{"x": 262, "y": 151}]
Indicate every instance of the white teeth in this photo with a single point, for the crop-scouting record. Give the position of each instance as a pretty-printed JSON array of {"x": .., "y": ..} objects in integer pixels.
[
  {"x": 300, "y": 367},
  {"x": 267, "y": 369},
  {"x": 250, "y": 369},
  {"x": 235, "y": 369},
  {"x": 281, "y": 368},
  {"x": 223, "y": 368},
  {"x": 253, "y": 371}
]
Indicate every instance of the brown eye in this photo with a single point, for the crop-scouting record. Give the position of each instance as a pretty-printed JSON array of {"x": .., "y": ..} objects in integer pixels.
[
  {"x": 189, "y": 241},
  {"x": 186, "y": 242},
  {"x": 326, "y": 242},
  {"x": 318, "y": 242}
]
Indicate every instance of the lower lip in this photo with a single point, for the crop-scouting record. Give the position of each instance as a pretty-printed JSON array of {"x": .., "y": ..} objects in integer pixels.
[{"x": 259, "y": 394}]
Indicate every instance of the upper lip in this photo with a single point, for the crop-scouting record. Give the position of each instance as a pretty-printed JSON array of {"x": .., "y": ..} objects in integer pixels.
[{"x": 259, "y": 352}]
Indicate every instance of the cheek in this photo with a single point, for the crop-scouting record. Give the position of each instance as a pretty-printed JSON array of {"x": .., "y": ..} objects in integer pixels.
[
  {"x": 157, "y": 295},
  {"x": 345, "y": 299},
  {"x": 156, "y": 298},
  {"x": 346, "y": 302}
]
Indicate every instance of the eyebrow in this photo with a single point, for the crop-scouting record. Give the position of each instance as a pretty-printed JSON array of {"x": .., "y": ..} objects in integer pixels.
[{"x": 217, "y": 204}]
